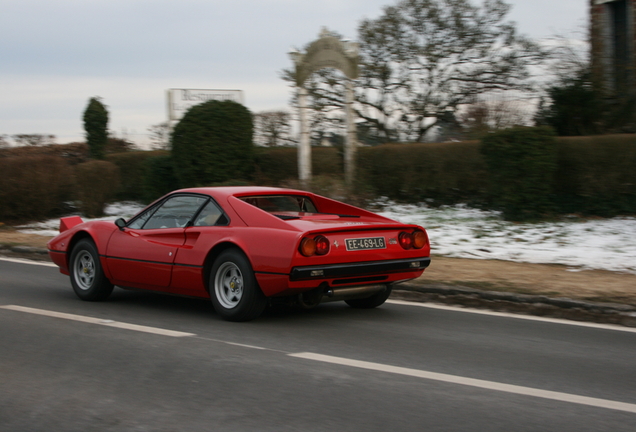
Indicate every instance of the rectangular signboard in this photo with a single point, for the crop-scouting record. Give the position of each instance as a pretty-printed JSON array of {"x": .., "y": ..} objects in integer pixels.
[{"x": 180, "y": 100}]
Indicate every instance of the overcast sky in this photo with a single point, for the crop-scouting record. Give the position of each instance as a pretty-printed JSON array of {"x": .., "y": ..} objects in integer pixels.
[{"x": 56, "y": 54}]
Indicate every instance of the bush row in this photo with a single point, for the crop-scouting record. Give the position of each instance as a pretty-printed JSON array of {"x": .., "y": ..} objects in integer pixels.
[
  {"x": 530, "y": 173},
  {"x": 35, "y": 187},
  {"x": 139, "y": 181},
  {"x": 276, "y": 166},
  {"x": 596, "y": 175},
  {"x": 522, "y": 163},
  {"x": 585, "y": 175},
  {"x": 444, "y": 173}
]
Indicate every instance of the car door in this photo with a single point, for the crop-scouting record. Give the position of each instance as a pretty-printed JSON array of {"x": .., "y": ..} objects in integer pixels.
[{"x": 142, "y": 254}]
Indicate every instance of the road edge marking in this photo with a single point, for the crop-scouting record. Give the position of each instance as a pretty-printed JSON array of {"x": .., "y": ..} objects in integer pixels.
[
  {"x": 433, "y": 306},
  {"x": 98, "y": 321},
  {"x": 27, "y": 261},
  {"x": 514, "y": 315},
  {"x": 472, "y": 382}
]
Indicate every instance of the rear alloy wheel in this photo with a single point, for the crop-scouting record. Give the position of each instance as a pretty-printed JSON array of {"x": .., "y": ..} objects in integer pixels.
[
  {"x": 233, "y": 289},
  {"x": 87, "y": 277},
  {"x": 371, "y": 302}
]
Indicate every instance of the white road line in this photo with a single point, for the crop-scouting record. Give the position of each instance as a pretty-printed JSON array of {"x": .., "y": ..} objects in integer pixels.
[
  {"x": 98, "y": 321},
  {"x": 26, "y": 261},
  {"x": 434, "y": 306},
  {"x": 511, "y": 315},
  {"x": 244, "y": 346},
  {"x": 454, "y": 379}
]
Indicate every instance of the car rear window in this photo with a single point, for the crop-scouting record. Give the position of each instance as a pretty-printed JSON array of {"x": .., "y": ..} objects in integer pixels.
[{"x": 282, "y": 203}]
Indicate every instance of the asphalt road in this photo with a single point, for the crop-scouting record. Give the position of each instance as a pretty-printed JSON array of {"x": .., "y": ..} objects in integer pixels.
[{"x": 147, "y": 362}]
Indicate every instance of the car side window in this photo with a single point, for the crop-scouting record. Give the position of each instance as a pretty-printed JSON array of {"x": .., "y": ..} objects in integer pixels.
[
  {"x": 211, "y": 215},
  {"x": 142, "y": 218},
  {"x": 175, "y": 212}
]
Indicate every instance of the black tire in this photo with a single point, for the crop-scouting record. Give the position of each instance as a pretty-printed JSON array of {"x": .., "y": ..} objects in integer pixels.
[
  {"x": 87, "y": 277},
  {"x": 371, "y": 302},
  {"x": 234, "y": 291}
]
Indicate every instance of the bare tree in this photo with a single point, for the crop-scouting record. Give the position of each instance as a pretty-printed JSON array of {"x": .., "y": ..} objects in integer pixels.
[
  {"x": 159, "y": 135},
  {"x": 422, "y": 59},
  {"x": 272, "y": 128},
  {"x": 33, "y": 139},
  {"x": 492, "y": 112}
]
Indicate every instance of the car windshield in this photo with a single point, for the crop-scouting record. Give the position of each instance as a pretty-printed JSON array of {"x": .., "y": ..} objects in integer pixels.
[{"x": 282, "y": 203}]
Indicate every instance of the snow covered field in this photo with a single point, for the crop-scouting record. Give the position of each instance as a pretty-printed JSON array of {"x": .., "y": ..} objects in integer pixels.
[
  {"x": 113, "y": 211},
  {"x": 463, "y": 232}
]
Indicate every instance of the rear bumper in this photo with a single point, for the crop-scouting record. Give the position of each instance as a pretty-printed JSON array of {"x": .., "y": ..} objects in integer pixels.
[{"x": 347, "y": 270}]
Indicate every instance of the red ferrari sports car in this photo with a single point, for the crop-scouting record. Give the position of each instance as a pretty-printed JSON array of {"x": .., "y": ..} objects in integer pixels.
[{"x": 244, "y": 247}]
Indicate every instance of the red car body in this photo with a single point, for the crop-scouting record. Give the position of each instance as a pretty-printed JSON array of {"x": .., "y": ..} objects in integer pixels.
[{"x": 354, "y": 251}]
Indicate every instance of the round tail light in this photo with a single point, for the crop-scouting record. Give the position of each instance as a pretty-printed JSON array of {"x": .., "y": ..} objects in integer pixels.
[
  {"x": 307, "y": 247},
  {"x": 322, "y": 245},
  {"x": 406, "y": 240},
  {"x": 420, "y": 239}
]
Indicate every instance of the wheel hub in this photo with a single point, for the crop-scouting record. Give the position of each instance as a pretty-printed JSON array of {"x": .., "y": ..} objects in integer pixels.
[{"x": 228, "y": 285}]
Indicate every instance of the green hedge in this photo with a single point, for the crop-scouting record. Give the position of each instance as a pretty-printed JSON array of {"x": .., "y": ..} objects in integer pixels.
[
  {"x": 97, "y": 184},
  {"x": 522, "y": 162},
  {"x": 272, "y": 166},
  {"x": 596, "y": 175},
  {"x": 440, "y": 173},
  {"x": 33, "y": 187},
  {"x": 133, "y": 173},
  {"x": 159, "y": 176},
  {"x": 593, "y": 175},
  {"x": 276, "y": 166}
]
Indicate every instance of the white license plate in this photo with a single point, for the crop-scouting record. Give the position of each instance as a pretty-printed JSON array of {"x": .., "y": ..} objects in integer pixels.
[{"x": 365, "y": 243}]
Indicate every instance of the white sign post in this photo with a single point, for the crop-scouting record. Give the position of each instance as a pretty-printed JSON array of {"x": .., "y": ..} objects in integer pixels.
[{"x": 181, "y": 100}]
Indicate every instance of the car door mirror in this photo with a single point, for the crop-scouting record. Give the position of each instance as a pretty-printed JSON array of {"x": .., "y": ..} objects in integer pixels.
[{"x": 121, "y": 223}]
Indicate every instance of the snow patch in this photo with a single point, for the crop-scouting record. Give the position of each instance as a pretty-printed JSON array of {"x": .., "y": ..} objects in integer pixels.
[{"x": 463, "y": 232}]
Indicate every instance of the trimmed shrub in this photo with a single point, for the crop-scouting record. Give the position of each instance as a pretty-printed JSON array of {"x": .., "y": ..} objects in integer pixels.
[
  {"x": 96, "y": 127},
  {"x": 118, "y": 145},
  {"x": 277, "y": 166},
  {"x": 97, "y": 184},
  {"x": 597, "y": 175},
  {"x": 326, "y": 161},
  {"x": 132, "y": 169},
  {"x": 522, "y": 162},
  {"x": 439, "y": 173},
  {"x": 33, "y": 187},
  {"x": 594, "y": 175},
  {"x": 159, "y": 176},
  {"x": 213, "y": 143},
  {"x": 72, "y": 153}
]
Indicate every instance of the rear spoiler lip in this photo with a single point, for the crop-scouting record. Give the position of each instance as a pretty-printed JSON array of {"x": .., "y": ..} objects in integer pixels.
[{"x": 66, "y": 223}]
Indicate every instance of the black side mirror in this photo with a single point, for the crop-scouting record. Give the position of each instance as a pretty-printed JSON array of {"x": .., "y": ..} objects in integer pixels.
[{"x": 121, "y": 223}]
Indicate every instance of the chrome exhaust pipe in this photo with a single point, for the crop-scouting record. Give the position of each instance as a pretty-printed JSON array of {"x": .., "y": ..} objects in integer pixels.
[{"x": 346, "y": 293}]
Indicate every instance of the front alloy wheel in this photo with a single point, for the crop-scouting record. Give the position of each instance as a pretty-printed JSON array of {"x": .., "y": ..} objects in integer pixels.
[
  {"x": 84, "y": 270},
  {"x": 87, "y": 277}
]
